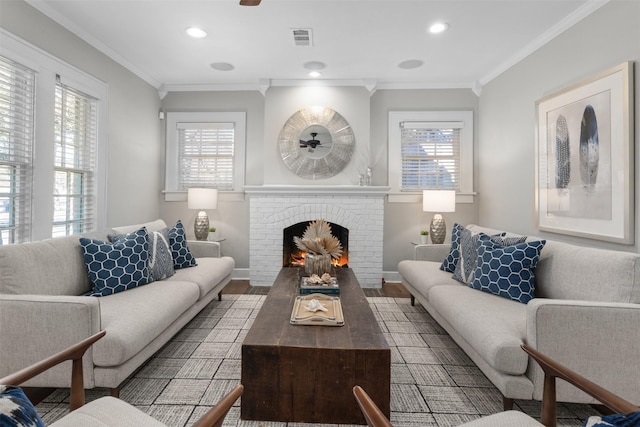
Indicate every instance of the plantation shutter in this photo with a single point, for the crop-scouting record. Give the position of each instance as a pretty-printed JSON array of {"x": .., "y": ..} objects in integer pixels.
[
  {"x": 17, "y": 87},
  {"x": 75, "y": 122},
  {"x": 430, "y": 154},
  {"x": 205, "y": 157}
]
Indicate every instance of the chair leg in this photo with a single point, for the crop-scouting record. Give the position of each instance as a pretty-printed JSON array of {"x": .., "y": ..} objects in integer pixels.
[
  {"x": 220, "y": 296},
  {"x": 115, "y": 392},
  {"x": 507, "y": 403},
  {"x": 413, "y": 300}
]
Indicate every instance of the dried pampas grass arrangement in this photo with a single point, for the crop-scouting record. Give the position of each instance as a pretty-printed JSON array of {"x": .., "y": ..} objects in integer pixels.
[{"x": 317, "y": 239}]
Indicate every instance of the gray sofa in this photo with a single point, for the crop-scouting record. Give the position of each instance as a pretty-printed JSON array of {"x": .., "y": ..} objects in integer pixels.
[
  {"x": 586, "y": 316},
  {"x": 43, "y": 309}
]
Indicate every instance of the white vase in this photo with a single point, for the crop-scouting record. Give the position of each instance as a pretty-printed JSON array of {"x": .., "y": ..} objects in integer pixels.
[
  {"x": 423, "y": 238},
  {"x": 213, "y": 236}
]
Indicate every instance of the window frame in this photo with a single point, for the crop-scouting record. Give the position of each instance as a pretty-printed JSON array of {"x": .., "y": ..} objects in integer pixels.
[
  {"x": 172, "y": 192},
  {"x": 47, "y": 67},
  {"x": 396, "y": 194}
]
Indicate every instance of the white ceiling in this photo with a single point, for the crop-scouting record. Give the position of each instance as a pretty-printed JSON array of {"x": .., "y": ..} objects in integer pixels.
[{"x": 359, "y": 40}]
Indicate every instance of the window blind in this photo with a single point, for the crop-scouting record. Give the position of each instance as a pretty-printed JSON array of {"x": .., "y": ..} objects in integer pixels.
[
  {"x": 430, "y": 153},
  {"x": 75, "y": 144},
  {"x": 206, "y": 152},
  {"x": 17, "y": 87}
]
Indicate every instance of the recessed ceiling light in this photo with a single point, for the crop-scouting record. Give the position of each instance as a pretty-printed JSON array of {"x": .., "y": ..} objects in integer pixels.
[
  {"x": 314, "y": 65},
  {"x": 315, "y": 74},
  {"x": 411, "y": 64},
  {"x": 438, "y": 27},
  {"x": 196, "y": 33},
  {"x": 222, "y": 66}
]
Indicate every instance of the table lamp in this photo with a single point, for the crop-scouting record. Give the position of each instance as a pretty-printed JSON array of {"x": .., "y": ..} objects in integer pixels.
[
  {"x": 438, "y": 201},
  {"x": 202, "y": 198}
]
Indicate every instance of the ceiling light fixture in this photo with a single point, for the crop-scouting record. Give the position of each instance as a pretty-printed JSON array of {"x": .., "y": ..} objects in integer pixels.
[
  {"x": 222, "y": 66},
  {"x": 315, "y": 74},
  {"x": 196, "y": 33},
  {"x": 314, "y": 65},
  {"x": 438, "y": 27},
  {"x": 410, "y": 64}
]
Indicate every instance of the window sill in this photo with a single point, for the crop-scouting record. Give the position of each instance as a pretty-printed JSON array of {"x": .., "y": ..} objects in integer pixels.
[
  {"x": 224, "y": 196},
  {"x": 417, "y": 197}
]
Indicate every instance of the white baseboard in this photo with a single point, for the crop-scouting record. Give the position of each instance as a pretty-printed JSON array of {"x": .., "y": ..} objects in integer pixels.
[
  {"x": 240, "y": 274},
  {"x": 391, "y": 277}
]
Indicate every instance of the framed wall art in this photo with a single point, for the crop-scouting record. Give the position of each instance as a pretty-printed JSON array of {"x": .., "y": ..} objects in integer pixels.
[{"x": 585, "y": 158}]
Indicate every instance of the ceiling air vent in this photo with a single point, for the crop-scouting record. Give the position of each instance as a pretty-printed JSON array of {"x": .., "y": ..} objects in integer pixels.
[{"x": 302, "y": 37}]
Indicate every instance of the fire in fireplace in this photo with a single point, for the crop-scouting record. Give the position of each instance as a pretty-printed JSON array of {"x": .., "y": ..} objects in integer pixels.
[{"x": 294, "y": 257}]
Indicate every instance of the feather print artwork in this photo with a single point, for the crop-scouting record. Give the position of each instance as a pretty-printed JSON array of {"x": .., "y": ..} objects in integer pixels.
[
  {"x": 563, "y": 154},
  {"x": 589, "y": 149}
]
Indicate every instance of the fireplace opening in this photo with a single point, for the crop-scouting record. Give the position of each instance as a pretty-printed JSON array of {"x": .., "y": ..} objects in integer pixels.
[{"x": 294, "y": 257}]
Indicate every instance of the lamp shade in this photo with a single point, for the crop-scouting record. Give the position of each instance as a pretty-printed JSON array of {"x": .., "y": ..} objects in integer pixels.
[
  {"x": 439, "y": 200},
  {"x": 202, "y": 198}
]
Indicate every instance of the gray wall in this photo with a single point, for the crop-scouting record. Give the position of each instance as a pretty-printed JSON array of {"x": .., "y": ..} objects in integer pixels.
[
  {"x": 232, "y": 216},
  {"x": 504, "y": 128},
  {"x": 506, "y": 147},
  {"x": 134, "y": 142},
  {"x": 369, "y": 119},
  {"x": 403, "y": 221}
]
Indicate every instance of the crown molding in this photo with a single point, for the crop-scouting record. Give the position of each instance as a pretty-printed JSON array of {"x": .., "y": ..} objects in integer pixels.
[
  {"x": 44, "y": 8},
  {"x": 569, "y": 21}
]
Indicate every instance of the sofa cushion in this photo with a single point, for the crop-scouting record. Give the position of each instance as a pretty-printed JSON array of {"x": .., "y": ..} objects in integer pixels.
[
  {"x": 16, "y": 410},
  {"x": 182, "y": 258},
  {"x": 496, "y": 337},
  {"x": 105, "y": 412},
  {"x": 134, "y": 318},
  {"x": 507, "y": 271},
  {"x": 423, "y": 275},
  {"x": 116, "y": 267},
  {"x": 156, "y": 225},
  {"x": 61, "y": 269},
  {"x": 207, "y": 274},
  {"x": 567, "y": 271}
]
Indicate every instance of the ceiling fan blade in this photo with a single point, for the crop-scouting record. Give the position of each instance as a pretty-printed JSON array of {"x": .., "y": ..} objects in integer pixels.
[{"x": 249, "y": 2}]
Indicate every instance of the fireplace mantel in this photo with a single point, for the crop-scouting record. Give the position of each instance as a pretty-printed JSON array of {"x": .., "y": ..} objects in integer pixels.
[{"x": 342, "y": 190}]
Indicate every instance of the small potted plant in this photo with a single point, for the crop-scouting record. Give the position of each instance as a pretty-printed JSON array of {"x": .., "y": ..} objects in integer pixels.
[
  {"x": 424, "y": 234},
  {"x": 212, "y": 234}
]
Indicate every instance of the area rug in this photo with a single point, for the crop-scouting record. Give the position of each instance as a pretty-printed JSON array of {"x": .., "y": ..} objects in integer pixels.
[{"x": 433, "y": 382}]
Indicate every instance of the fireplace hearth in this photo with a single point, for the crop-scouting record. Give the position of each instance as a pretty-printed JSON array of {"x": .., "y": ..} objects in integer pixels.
[{"x": 294, "y": 257}]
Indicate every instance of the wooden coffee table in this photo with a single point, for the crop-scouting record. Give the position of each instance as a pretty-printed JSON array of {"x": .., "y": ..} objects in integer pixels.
[{"x": 300, "y": 373}]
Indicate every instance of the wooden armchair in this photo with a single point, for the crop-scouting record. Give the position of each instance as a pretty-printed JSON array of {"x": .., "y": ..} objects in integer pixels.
[
  {"x": 552, "y": 370},
  {"x": 107, "y": 410}
]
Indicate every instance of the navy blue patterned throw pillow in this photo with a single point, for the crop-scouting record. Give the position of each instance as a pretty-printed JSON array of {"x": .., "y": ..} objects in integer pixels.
[
  {"x": 160, "y": 259},
  {"x": 116, "y": 267},
  {"x": 180, "y": 253},
  {"x": 507, "y": 271},
  {"x": 451, "y": 261},
  {"x": 16, "y": 410},
  {"x": 614, "y": 420}
]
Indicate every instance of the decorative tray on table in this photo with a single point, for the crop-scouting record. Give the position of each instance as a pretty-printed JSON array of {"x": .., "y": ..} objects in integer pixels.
[
  {"x": 317, "y": 309},
  {"x": 321, "y": 285}
]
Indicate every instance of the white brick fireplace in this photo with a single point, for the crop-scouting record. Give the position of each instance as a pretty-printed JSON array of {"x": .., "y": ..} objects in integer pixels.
[{"x": 275, "y": 207}]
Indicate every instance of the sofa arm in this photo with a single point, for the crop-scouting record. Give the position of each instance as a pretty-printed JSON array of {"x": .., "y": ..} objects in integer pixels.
[
  {"x": 204, "y": 249},
  {"x": 34, "y": 326},
  {"x": 595, "y": 339},
  {"x": 431, "y": 252}
]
